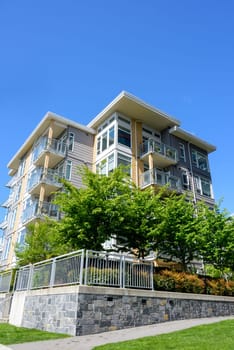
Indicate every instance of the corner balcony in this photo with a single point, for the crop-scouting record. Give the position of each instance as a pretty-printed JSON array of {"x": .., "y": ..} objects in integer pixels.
[
  {"x": 163, "y": 155},
  {"x": 38, "y": 210},
  {"x": 49, "y": 178},
  {"x": 160, "y": 178},
  {"x": 56, "y": 148}
]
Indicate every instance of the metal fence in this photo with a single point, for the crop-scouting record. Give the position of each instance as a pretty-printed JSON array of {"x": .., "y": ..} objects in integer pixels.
[
  {"x": 5, "y": 281},
  {"x": 88, "y": 268}
]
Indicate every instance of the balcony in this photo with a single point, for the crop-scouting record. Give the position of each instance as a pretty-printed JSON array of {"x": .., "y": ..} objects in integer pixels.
[
  {"x": 38, "y": 210},
  {"x": 56, "y": 148},
  {"x": 7, "y": 202},
  {"x": 163, "y": 155},
  {"x": 160, "y": 178},
  {"x": 4, "y": 224},
  {"x": 49, "y": 178}
]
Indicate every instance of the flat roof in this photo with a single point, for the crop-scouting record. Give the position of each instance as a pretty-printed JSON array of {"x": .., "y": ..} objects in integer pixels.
[
  {"x": 129, "y": 105},
  {"x": 192, "y": 139},
  {"x": 60, "y": 122}
]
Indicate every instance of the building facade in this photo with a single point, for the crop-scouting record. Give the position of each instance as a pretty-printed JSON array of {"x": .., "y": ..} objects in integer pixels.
[{"x": 128, "y": 131}]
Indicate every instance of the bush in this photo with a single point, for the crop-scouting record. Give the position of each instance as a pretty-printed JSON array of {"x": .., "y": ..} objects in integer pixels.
[{"x": 173, "y": 281}]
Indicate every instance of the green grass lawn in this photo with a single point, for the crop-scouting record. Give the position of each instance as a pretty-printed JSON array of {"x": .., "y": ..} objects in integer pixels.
[
  {"x": 14, "y": 335},
  {"x": 216, "y": 336}
]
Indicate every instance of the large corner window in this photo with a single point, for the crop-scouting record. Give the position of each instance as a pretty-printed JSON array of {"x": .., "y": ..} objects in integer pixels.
[
  {"x": 125, "y": 161},
  {"x": 107, "y": 165},
  {"x": 106, "y": 136},
  {"x": 124, "y": 136},
  {"x": 200, "y": 160}
]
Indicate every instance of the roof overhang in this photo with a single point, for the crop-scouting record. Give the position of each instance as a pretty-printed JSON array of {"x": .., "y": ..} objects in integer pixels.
[
  {"x": 184, "y": 135},
  {"x": 137, "y": 109},
  {"x": 60, "y": 124}
]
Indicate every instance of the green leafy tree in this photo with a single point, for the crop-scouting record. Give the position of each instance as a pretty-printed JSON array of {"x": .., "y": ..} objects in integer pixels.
[
  {"x": 177, "y": 236},
  {"x": 43, "y": 241},
  {"x": 217, "y": 238},
  {"x": 107, "y": 207},
  {"x": 93, "y": 214}
]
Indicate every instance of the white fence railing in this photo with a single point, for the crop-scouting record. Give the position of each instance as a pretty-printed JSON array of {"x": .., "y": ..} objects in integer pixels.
[
  {"x": 5, "y": 281},
  {"x": 88, "y": 268}
]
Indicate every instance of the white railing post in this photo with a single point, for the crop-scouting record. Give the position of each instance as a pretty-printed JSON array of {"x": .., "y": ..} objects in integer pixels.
[
  {"x": 30, "y": 276},
  {"x": 122, "y": 272},
  {"x": 52, "y": 273},
  {"x": 82, "y": 266},
  {"x": 152, "y": 275},
  {"x": 86, "y": 267}
]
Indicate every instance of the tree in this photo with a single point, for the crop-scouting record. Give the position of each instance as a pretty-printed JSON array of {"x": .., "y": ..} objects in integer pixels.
[
  {"x": 217, "y": 238},
  {"x": 107, "y": 207},
  {"x": 43, "y": 241},
  {"x": 93, "y": 214},
  {"x": 177, "y": 235}
]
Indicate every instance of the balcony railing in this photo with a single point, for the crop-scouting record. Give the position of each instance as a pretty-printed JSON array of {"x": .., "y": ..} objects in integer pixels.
[
  {"x": 39, "y": 209},
  {"x": 163, "y": 154},
  {"x": 7, "y": 202},
  {"x": 54, "y": 146},
  {"x": 49, "y": 177},
  {"x": 160, "y": 178}
]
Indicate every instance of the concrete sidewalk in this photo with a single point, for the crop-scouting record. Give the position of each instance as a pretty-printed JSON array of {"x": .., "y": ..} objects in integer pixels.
[{"x": 88, "y": 342}]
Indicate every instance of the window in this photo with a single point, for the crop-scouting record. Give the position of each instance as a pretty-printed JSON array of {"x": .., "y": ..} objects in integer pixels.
[
  {"x": 200, "y": 160},
  {"x": 124, "y": 136},
  {"x": 104, "y": 141},
  {"x": 21, "y": 238},
  {"x": 7, "y": 248},
  {"x": 12, "y": 216},
  {"x": 71, "y": 139},
  {"x": 98, "y": 145},
  {"x": 68, "y": 170},
  {"x": 106, "y": 166},
  {"x": 185, "y": 181},
  {"x": 111, "y": 136},
  {"x": 111, "y": 163},
  {"x": 182, "y": 152},
  {"x": 124, "y": 160},
  {"x": 21, "y": 166},
  {"x": 203, "y": 186}
]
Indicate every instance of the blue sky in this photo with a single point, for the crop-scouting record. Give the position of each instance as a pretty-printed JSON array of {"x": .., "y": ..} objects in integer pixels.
[{"x": 73, "y": 57}]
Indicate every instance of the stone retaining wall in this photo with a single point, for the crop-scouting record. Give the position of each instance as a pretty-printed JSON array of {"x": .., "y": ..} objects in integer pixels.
[{"x": 82, "y": 310}]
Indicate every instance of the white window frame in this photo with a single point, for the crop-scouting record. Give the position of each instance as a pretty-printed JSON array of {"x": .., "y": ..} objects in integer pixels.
[{"x": 71, "y": 140}]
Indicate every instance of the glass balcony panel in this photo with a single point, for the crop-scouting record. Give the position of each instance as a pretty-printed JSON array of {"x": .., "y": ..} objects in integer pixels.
[
  {"x": 50, "y": 178},
  {"x": 54, "y": 146},
  {"x": 157, "y": 177},
  {"x": 163, "y": 154},
  {"x": 38, "y": 209}
]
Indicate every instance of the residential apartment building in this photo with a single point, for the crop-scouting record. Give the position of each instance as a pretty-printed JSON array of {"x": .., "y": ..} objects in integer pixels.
[{"x": 129, "y": 132}]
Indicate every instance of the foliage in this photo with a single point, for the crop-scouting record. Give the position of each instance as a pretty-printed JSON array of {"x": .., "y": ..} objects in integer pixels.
[
  {"x": 108, "y": 206},
  {"x": 217, "y": 235},
  {"x": 177, "y": 236},
  {"x": 188, "y": 283},
  {"x": 218, "y": 335},
  {"x": 178, "y": 282},
  {"x": 43, "y": 241}
]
